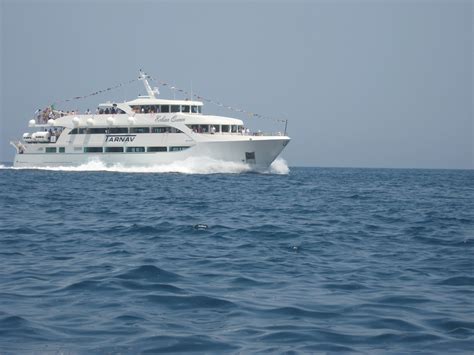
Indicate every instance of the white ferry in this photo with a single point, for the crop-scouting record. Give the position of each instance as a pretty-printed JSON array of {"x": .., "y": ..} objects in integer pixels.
[{"x": 146, "y": 131}]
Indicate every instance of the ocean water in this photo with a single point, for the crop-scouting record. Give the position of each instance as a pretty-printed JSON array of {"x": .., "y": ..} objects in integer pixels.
[{"x": 303, "y": 260}]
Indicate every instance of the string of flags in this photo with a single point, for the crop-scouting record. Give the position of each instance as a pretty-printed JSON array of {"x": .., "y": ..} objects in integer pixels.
[
  {"x": 171, "y": 87},
  {"x": 217, "y": 103},
  {"x": 96, "y": 92}
]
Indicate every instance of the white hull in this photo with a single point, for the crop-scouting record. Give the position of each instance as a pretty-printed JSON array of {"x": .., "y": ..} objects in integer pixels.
[{"x": 266, "y": 150}]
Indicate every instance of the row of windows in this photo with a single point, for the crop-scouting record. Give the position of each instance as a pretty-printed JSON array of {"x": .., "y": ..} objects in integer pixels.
[
  {"x": 133, "y": 149},
  {"x": 166, "y": 108},
  {"x": 53, "y": 150},
  {"x": 202, "y": 128},
  {"x": 127, "y": 149},
  {"x": 124, "y": 130}
]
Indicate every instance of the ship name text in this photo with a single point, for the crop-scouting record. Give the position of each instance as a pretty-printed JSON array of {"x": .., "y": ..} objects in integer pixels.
[{"x": 120, "y": 138}]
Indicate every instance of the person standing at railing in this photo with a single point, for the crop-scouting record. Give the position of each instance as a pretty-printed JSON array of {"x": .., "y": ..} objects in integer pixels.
[{"x": 38, "y": 115}]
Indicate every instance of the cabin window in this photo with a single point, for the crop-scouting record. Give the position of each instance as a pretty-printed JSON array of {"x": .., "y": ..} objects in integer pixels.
[
  {"x": 50, "y": 150},
  {"x": 194, "y": 109},
  {"x": 96, "y": 130},
  {"x": 165, "y": 108},
  {"x": 114, "y": 149},
  {"x": 135, "y": 149},
  {"x": 215, "y": 128},
  {"x": 174, "y": 130},
  {"x": 116, "y": 130},
  {"x": 199, "y": 109},
  {"x": 139, "y": 129},
  {"x": 198, "y": 128},
  {"x": 225, "y": 128},
  {"x": 62, "y": 150},
  {"x": 175, "y": 108},
  {"x": 250, "y": 156},
  {"x": 156, "y": 149},
  {"x": 92, "y": 149},
  {"x": 160, "y": 129},
  {"x": 74, "y": 131},
  {"x": 81, "y": 130},
  {"x": 184, "y": 108},
  {"x": 234, "y": 129},
  {"x": 177, "y": 149}
]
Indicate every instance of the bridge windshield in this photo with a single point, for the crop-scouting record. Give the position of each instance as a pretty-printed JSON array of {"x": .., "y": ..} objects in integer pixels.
[{"x": 167, "y": 108}]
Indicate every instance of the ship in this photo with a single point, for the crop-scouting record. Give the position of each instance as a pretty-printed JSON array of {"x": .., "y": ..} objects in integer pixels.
[{"x": 146, "y": 131}]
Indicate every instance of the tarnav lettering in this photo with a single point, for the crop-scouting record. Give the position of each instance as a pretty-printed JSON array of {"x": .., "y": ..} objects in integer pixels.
[{"x": 120, "y": 138}]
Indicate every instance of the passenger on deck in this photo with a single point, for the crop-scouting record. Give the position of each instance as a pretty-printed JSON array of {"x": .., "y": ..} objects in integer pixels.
[{"x": 38, "y": 115}]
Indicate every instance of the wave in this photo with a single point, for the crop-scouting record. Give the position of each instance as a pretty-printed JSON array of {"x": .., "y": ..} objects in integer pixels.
[
  {"x": 279, "y": 167},
  {"x": 149, "y": 273},
  {"x": 189, "y": 302},
  {"x": 193, "y": 165}
]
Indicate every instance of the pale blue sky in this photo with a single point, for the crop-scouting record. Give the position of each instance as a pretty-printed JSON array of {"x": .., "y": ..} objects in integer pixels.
[{"x": 362, "y": 83}]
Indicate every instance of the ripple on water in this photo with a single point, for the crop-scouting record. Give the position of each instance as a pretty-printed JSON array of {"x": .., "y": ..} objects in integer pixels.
[
  {"x": 180, "y": 344},
  {"x": 146, "y": 286},
  {"x": 189, "y": 302},
  {"x": 149, "y": 273},
  {"x": 458, "y": 281}
]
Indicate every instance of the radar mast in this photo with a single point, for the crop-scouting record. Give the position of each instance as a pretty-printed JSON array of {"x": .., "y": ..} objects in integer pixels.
[{"x": 151, "y": 92}]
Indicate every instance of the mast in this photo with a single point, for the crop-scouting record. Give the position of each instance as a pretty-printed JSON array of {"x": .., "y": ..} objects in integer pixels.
[{"x": 148, "y": 88}]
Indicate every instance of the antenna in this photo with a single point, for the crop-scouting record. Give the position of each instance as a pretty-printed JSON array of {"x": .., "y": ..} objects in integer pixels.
[{"x": 143, "y": 76}]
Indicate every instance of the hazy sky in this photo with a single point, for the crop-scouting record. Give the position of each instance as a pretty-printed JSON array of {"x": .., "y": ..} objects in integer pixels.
[{"x": 362, "y": 83}]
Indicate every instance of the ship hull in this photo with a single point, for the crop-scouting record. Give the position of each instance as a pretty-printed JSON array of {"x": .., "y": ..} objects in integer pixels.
[{"x": 257, "y": 152}]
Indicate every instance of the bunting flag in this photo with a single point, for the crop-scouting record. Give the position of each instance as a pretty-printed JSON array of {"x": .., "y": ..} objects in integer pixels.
[
  {"x": 97, "y": 92},
  {"x": 172, "y": 87},
  {"x": 217, "y": 103}
]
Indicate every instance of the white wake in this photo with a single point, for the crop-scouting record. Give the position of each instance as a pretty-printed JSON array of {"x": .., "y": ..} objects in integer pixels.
[{"x": 187, "y": 166}]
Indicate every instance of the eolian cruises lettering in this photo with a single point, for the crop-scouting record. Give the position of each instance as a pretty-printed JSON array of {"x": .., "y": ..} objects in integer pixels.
[
  {"x": 120, "y": 138},
  {"x": 163, "y": 118}
]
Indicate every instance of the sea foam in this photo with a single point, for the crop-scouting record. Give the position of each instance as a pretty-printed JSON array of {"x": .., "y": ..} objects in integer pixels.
[{"x": 194, "y": 165}]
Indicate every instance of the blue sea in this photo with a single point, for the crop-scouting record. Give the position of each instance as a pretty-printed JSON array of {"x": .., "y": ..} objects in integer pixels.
[{"x": 209, "y": 260}]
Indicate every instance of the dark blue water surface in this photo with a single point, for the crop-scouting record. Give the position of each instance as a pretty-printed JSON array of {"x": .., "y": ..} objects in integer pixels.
[{"x": 319, "y": 260}]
